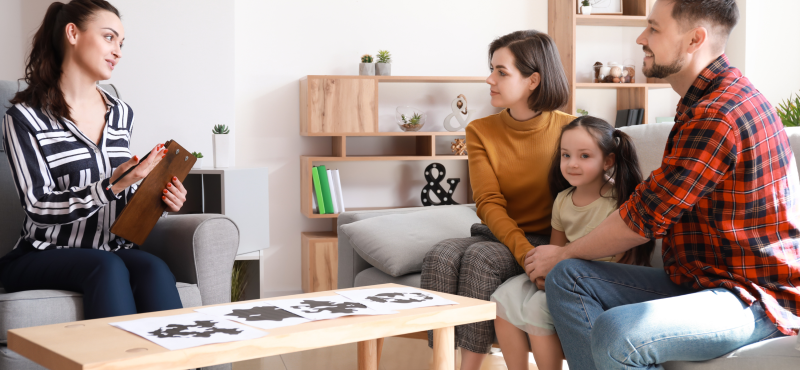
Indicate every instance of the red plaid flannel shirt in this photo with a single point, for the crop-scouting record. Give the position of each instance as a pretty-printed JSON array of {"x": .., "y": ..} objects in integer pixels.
[{"x": 725, "y": 199}]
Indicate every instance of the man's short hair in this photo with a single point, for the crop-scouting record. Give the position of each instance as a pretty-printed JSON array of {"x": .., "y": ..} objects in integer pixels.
[{"x": 721, "y": 14}]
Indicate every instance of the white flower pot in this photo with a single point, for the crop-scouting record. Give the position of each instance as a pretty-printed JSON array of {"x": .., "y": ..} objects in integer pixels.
[
  {"x": 383, "y": 69},
  {"x": 222, "y": 149},
  {"x": 366, "y": 69},
  {"x": 586, "y": 10},
  {"x": 199, "y": 163}
]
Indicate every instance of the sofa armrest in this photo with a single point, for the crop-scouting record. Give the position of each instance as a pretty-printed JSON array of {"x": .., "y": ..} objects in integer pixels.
[
  {"x": 199, "y": 249},
  {"x": 350, "y": 263}
]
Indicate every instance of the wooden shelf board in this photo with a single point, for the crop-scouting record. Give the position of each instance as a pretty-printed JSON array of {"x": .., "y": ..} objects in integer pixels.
[
  {"x": 421, "y": 79},
  {"x": 611, "y": 20},
  {"x": 391, "y": 134},
  {"x": 365, "y": 158},
  {"x": 589, "y": 85},
  {"x": 320, "y": 234}
]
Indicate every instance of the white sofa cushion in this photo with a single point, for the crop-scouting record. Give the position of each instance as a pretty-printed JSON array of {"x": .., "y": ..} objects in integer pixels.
[{"x": 396, "y": 244}]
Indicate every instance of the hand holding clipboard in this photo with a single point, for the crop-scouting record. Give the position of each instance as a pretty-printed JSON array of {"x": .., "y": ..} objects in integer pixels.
[
  {"x": 135, "y": 169},
  {"x": 152, "y": 196}
]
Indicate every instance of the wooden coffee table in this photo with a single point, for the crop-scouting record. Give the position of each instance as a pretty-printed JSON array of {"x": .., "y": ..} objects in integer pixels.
[{"x": 94, "y": 344}]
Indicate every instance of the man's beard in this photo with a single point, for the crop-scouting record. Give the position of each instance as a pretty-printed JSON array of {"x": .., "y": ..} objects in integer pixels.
[{"x": 663, "y": 70}]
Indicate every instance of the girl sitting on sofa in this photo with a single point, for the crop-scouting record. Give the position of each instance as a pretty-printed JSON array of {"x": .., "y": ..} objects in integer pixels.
[{"x": 584, "y": 196}]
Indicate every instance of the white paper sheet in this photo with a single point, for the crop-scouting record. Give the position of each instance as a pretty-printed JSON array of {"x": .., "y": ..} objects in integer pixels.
[
  {"x": 324, "y": 308},
  {"x": 258, "y": 314},
  {"x": 189, "y": 330},
  {"x": 395, "y": 298}
]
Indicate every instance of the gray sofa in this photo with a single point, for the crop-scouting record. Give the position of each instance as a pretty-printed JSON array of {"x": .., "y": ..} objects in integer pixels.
[
  {"x": 650, "y": 139},
  {"x": 199, "y": 250}
]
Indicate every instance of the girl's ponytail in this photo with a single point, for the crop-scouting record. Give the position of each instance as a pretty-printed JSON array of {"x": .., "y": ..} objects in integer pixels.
[
  {"x": 43, "y": 66},
  {"x": 626, "y": 177}
]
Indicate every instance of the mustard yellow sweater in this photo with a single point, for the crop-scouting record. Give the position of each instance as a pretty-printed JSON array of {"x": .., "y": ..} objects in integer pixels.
[{"x": 509, "y": 161}]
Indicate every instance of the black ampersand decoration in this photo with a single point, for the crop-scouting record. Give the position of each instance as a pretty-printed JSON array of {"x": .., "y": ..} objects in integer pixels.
[{"x": 434, "y": 187}]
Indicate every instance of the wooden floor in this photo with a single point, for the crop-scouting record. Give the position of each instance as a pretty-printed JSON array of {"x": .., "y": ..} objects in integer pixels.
[{"x": 398, "y": 354}]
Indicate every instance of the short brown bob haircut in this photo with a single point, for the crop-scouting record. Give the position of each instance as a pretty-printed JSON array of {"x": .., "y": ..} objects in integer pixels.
[{"x": 535, "y": 51}]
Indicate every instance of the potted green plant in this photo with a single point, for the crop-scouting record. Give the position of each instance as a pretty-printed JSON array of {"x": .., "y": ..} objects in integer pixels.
[
  {"x": 199, "y": 162},
  {"x": 366, "y": 68},
  {"x": 586, "y": 7},
  {"x": 789, "y": 111},
  {"x": 222, "y": 145},
  {"x": 384, "y": 65}
]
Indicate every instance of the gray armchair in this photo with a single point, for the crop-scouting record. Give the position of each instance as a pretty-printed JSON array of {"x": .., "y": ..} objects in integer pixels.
[{"x": 199, "y": 249}]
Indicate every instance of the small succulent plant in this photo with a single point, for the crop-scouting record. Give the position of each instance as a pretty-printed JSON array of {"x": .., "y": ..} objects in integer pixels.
[
  {"x": 414, "y": 120},
  {"x": 197, "y": 155},
  {"x": 366, "y": 58},
  {"x": 789, "y": 111},
  {"x": 384, "y": 56},
  {"x": 220, "y": 129},
  {"x": 583, "y": 112},
  {"x": 586, "y": 3}
]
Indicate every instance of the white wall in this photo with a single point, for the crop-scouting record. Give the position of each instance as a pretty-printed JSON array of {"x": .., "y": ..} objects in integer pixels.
[
  {"x": 19, "y": 20},
  {"x": 772, "y": 48},
  {"x": 177, "y": 70}
]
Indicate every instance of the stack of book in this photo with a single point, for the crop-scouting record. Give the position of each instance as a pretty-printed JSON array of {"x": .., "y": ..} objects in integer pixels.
[
  {"x": 629, "y": 117},
  {"x": 327, "y": 194}
]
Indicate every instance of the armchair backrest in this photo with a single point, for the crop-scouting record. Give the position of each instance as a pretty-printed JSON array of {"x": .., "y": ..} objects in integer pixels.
[{"x": 11, "y": 216}]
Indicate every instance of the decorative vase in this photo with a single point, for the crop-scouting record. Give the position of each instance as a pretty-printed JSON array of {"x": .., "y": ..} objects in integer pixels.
[
  {"x": 199, "y": 163},
  {"x": 409, "y": 119},
  {"x": 383, "y": 69},
  {"x": 222, "y": 145},
  {"x": 366, "y": 69},
  {"x": 586, "y": 10}
]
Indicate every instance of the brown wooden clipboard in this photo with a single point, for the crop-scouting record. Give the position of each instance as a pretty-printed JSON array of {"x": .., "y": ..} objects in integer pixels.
[{"x": 146, "y": 206}]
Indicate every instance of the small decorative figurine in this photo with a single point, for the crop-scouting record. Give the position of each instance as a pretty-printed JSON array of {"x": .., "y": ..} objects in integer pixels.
[
  {"x": 459, "y": 147},
  {"x": 461, "y": 116},
  {"x": 433, "y": 185}
]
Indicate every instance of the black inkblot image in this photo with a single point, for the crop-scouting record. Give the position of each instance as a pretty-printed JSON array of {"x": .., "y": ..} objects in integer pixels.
[
  {"x": 400, "y": 297},
  {"x": 309, "y": 306},
  {"x": 263, "y": 313},
  {"x": 205, "y": 328}
]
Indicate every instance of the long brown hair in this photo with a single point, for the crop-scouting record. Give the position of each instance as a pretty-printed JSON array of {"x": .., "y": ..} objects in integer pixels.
[
  {"x": 43, "y": 66},
  {"x": 535, "y": 51},
  {"x": 625, "y": 173}
]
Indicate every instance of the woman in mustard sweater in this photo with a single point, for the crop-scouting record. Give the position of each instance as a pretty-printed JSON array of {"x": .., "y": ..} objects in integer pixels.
[{"x": 509, "y": 159}]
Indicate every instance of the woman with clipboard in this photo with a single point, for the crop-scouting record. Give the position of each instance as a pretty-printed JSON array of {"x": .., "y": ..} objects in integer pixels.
[{"x": 67, "y": 142}]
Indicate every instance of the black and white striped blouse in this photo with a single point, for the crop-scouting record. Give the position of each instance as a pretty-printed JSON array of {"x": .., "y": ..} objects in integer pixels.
[{"x": 62, "y": 175}]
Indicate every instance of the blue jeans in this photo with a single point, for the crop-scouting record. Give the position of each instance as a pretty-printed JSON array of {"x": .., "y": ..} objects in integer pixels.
[
  {"x": 616, "y": 316},
  {"x": 124, "y": 282}
]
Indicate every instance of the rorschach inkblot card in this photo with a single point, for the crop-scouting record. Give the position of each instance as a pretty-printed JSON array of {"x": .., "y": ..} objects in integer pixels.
[
  {"x": 189, "y": 330},
  {"x": 328, "y": 307},
  {"x": 388, "y": 299},
  {"x": 259, "y": 314}
]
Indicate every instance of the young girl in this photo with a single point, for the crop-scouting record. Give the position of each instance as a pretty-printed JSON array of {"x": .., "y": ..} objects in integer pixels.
[{"x": 594, "y": 171}]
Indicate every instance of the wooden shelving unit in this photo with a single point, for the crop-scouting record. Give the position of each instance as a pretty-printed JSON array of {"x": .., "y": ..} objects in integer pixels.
[
  {"x": 347, "y": 106},
  {"x": 563, "y": 20}
]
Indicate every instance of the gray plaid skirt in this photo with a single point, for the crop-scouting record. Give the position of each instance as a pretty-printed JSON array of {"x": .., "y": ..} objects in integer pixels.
[{"x": 472, "y": 267}]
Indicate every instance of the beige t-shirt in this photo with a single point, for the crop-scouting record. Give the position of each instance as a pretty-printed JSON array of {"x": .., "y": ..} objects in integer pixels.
[{"x": 576, "y": 222}]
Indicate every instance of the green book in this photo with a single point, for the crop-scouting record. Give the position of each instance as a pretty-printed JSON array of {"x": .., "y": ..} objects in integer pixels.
[
  {"x": 322, "y": 173},
  {"x": 318, "y": 190}
]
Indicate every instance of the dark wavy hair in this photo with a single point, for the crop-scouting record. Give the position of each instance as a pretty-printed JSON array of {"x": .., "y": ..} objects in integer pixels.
[
  {"x": 625, "y": 173},
  {"x": 43, "y": 66},
  {"x": 533, "y": 52}
]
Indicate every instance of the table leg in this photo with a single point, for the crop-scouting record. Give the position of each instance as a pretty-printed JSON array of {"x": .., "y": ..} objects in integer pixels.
[
  {"x": 444, "y": 343},
  {"x": 368, "y": 355},
  {"x": 380, "y": 350}
]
